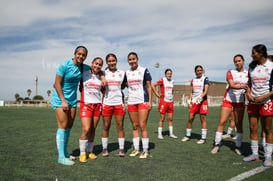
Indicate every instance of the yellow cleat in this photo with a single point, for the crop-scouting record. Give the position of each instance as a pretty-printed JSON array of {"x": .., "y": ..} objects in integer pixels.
[
  {"x": 83, "y": 158},
  {"x": 91, "y": 155}
]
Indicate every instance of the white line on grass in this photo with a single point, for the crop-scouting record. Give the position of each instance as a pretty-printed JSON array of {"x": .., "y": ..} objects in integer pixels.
[{"x": 248, "y": 174}]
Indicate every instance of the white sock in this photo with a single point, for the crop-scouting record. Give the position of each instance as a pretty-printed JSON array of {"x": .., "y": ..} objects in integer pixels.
[
  {"x": 254, "y": 147},
  {"x": 218, "y": 138},
  {"x": 121, "y": 143},
  {"x": 268, "y": 150},
  {"x": 104, "y": 142},
  {"x": 171, "y": 130},
  {"x": 239, "y": 138},
  {"x": 145, "y": 144},
  {"x": 188, "y": 132},
  {"x": 83, "y": 145},
  {"x": 159, "y": 131},
  {"x": 229, "y": 131},
  {"x": 203, "y": 134},
  {"x": 136, "y": 143},
  {"x": 90, "y": 145}
]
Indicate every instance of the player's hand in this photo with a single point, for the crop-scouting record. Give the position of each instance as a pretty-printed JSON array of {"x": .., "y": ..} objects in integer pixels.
[{"x": 65, "y": 106}]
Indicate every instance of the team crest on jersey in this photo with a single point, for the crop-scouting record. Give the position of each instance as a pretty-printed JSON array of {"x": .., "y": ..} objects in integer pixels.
[
  {"x": 259, "y": 71},
  {"x": 119, "y": 75},
  {"x": 113, "y": 75},
  {"x": 139, "y": 73},
  {"x": 266, "y": 69}
]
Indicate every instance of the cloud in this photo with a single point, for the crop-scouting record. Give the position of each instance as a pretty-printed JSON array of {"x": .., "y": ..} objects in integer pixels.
[{"x": 37, "y": 35}]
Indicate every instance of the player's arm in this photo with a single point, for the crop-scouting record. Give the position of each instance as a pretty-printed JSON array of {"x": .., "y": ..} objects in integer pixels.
[
  {"x": 154, "y": 89},
  {"x": 149, "y": 89},
  {"x": 58, "y": 87}
]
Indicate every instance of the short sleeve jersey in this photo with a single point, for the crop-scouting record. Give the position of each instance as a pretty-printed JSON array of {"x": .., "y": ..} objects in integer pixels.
[
  {"x": 261, "y": 78},
  {"x": 239, "y": 78},
  {"x": 198, "y": 87},
  {"x": 91, "y": 92},
  {"x": 137, "y": 91},
  {"x": 71, "y": 77},
  {"x": 166, "y": 88},
  {"x": 113, "y": 95}
]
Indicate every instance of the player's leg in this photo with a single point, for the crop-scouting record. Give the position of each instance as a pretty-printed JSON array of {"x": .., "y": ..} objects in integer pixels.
[
  {"x": 224, "y": 114},
  {"x": 143, "y": 115},
  {"x": 62, "y": 121},
  {"x": 133, "y": 114},
  {"x": 160, "y": 125}
]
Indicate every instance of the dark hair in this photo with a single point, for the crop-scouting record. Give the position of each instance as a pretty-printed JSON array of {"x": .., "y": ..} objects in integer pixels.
[
  {"x": 81, "y": 47},
  {"x": 111, "y": 55},
  {"x": 168, "y": 70},
  {"x": 239, "y": 55},
  {"x": 132, "y": 53},
  {"x": 197, "y": 66},
  {"x": 270, "y": 57},
  {"x": 97, "y": 58},
  {"x": 260, "y": 48}
]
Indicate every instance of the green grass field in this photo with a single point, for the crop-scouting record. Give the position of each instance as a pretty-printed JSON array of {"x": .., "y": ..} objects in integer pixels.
[{"x": 28, "y": 151}]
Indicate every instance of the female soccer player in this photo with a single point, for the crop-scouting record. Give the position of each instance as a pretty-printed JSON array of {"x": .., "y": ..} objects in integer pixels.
[
  {"x": 139, "y": 102},
  {"x": 260, "y": 100},
  {"x": 198, "y": 104},
  {"x": 113, "y": 103},
  {"x": 166, "y": 102},
  {"x": 64, "y": 101},
  {"x": 90, "y": 108},
  {"x": 234, "y": 100}
]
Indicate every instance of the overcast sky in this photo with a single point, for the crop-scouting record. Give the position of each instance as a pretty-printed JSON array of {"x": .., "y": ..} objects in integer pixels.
[{"x": 37, "y": 35}]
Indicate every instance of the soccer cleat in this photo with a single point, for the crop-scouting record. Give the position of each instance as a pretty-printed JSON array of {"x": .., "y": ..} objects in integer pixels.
[
  {"x": 234, "y": 138},
  {"x": 135, "y": 153},
  {"x": 226, "y": 136},
  {"x": 201, "y": 141},
  {"x": 104, "y": 153},
  {"x": 173, "y": 136},
  {"x": 251, "y": 157},
  {"x": 215, "y": 149},
  {"x": 121, "y": 153},
  {"x": 267, "y": 162},
  {"x": 83, "y": 158},
  {"x": 144, "y": 154},
  {"x": 160, "y": 137},
  {"x": 186, "y": 138},
  {"x": 91, "y": 155},
  {"x": 66, "y": 161},
  {"x": 237, "y": 151}
]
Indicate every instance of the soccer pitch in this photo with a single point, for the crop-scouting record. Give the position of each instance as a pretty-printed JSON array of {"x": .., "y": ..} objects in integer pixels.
[{"x": 28, "y": 151}]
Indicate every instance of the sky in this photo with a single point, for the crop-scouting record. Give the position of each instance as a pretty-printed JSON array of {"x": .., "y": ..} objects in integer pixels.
[{"x": 37, "y": 35}]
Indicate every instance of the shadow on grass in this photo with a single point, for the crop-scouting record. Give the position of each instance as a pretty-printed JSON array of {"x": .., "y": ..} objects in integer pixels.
[
  {"x": 112, "y": 147},
  {"x": 245, "y": 148}
]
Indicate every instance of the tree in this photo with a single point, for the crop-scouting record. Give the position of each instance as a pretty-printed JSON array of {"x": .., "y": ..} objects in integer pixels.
[
  {"x": 48, "y": 92},
  {"x": 16, "y": 96},
  {"x": 38, "y": 97},
  {"x": 29, "y": 92}
]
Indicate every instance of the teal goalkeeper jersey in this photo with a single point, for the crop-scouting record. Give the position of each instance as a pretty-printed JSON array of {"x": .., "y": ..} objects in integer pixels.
[{"x": 71, "y": 77}]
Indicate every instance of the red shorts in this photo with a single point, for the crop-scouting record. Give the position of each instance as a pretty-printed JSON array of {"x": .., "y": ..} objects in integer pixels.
[
  {"x": 136, "y": 107},
  {"x": 201, "y": 108},
  {"x": 164, "y": 107},
  {"x": 233, "y": 104},
  {"x": 261, "y": 109},
  {"x": 113, "y": 110},
  {"x": 90, "y": 110}
]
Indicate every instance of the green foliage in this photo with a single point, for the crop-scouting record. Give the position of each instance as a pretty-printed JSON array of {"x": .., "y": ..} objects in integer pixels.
[
  {"x": 31, "y": 153},
  {"x": 16, "y": 96},
  {"x": 38, "y": 97}
]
